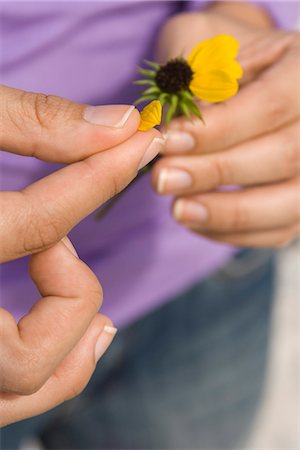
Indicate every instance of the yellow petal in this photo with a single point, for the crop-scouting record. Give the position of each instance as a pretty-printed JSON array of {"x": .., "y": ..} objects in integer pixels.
[
  {"x": 150, "y": 116},
  {"x": 215, "y": 86},
  {"x": 229, "y": 66},
  {"x": 214, "y": 54},
  {"x": 232, "y": 68}
]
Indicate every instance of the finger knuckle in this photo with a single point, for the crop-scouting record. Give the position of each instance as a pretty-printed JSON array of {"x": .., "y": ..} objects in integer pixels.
[
  {"x": 89, "y": 298},
  {"x": 275, "y": 104},
  {"x": 43, "y": 228},
  {"x": 240, "y": 218},
  {"x": 222, "y": 171},
  {"x": 91, "y": 292},
  {"x": 47, "y": 108},
  {"x": 95, "y": 293}
]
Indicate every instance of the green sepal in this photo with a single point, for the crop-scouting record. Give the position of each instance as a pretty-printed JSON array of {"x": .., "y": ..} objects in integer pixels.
[
  {"x": 187, "y": 95},
  {"x": 164, "y": 98},
  {"x": 142, "y": 82},
  {"x": 153, "y": 64},
  {"x": 174, "y": 101},
  {"x": 152, "y": 90},
  {"x": 147, "y": 73},
  {"x": 172, "y": 109},
  {"x": 184, "y": 108},
  {"x": 144, "y": 98},
  {"x": 195, "y": 110}
]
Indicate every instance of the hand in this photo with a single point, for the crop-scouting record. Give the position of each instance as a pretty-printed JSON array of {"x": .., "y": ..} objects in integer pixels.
[
  {"x": 251, "y": 141},
  {"x": 49, "y": 356}
]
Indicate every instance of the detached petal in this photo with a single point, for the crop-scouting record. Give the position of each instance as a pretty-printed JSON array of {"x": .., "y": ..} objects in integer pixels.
[
  {"x": 213, "y": 53},
  {"x": 150, "y": 116},
  {"x": 215, "y": 86}
]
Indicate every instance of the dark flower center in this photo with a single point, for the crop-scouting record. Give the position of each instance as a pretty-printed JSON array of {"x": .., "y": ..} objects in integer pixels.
[{"x": 174, "y": 76}]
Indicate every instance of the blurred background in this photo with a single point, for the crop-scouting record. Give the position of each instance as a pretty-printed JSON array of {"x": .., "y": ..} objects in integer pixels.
[{"x": 277, "y": 425}]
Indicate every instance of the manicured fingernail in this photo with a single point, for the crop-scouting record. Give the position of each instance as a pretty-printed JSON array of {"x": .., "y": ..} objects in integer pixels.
[
  {"x": 189, "y": 211},
  {"x": 66, "y": 241},
  {"x": 171, "y": 180},
  {"x": 109, "y": 115},
  {"x": 154, "y": 148},
  {"x": 179, "y": 141},
  {"x": 104, "y": 341}
]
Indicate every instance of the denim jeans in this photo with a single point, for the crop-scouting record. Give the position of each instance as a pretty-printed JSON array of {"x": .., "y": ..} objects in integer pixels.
[{"x": 188, "y": 376}]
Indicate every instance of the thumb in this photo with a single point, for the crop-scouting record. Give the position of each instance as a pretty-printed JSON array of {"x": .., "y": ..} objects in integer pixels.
[{"x": 55, "y": 129}]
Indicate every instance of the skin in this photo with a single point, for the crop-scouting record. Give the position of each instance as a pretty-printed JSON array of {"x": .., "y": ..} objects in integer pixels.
[
  {"x": 43, "y": 360},
  {"x": 251, "y": 140}
]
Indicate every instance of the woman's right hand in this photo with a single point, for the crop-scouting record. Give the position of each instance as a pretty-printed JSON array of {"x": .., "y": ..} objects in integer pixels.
[{"x": 51, "y": 353}]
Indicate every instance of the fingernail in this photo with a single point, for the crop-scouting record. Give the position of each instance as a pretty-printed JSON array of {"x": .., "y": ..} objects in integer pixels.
[
  {"x": 170, "y": 180},
  {"x": 154, "y": 148},
  {"x": 109, "y": 115},
  {"x": 189, "y": 211},
  {"x": 104, "y": 341},
  {"x": 179, "y": 141},
  {"x": 66, "y": 241}
]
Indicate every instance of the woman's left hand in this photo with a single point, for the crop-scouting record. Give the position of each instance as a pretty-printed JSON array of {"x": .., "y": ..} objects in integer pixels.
[{"x": 252, "y": 141}]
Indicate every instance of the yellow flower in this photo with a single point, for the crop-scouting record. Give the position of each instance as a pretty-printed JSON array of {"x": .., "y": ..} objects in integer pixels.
[
  {"x": 150, "y": 116},
  {"x": 210, "y": 73},
  {"x": 215, "y": 71}
]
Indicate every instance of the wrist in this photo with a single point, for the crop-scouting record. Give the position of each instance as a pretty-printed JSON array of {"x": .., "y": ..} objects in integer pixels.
[{"x": 249, "y": 14}]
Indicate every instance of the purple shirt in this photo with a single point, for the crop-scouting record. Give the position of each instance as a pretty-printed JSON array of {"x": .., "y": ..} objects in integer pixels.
[{"x": 88, "y": 52}]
